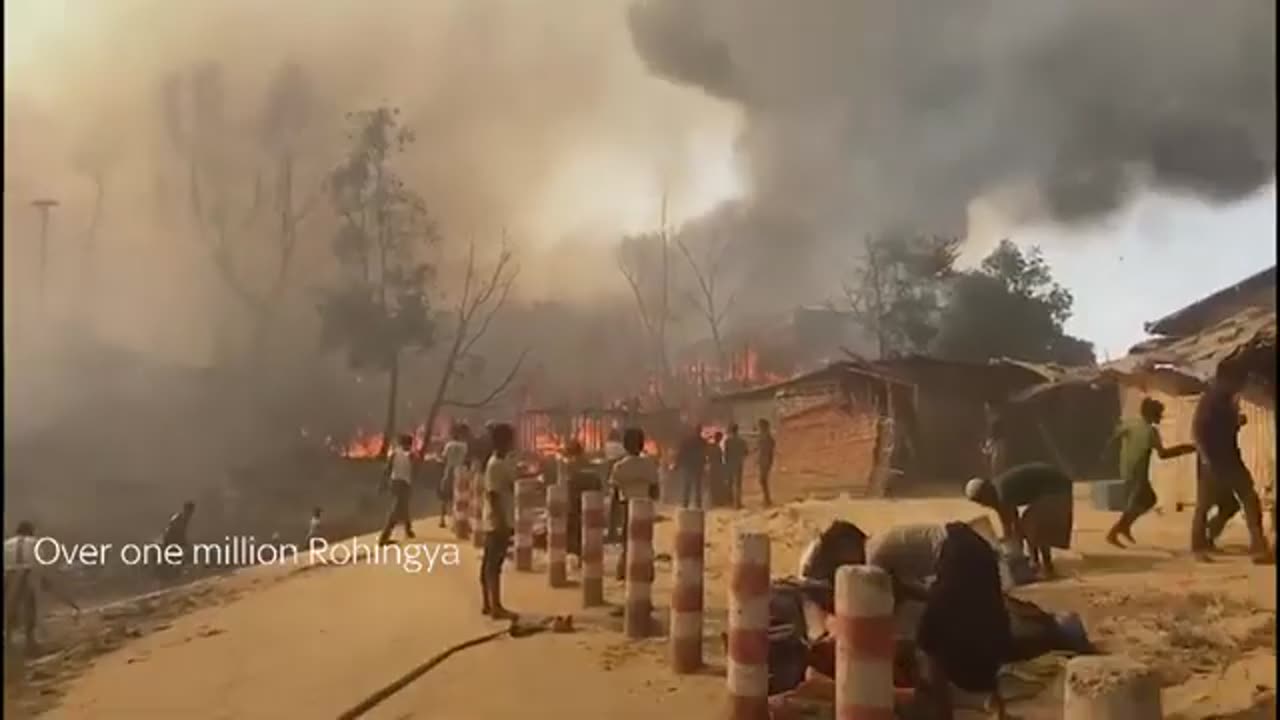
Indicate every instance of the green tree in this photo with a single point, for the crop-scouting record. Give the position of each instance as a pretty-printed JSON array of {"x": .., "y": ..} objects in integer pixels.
[
  {"x": 1010, "y": 307},
  {"x": 380, "y": 307},
  {"x": 897, "y": 290}
]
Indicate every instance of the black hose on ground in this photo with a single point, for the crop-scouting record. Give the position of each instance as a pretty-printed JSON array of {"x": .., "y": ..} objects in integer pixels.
[
  {"x": 399, "y": 684},
  {"x": 515, "y": 630}
]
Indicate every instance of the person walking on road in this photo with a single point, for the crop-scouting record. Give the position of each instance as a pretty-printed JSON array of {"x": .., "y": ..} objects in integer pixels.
[{"x": 400, "y": 475}]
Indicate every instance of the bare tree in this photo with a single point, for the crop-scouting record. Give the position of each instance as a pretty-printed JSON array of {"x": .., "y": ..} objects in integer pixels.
[
  {"x": 481, "y": 298},
  {"x": 195, "y": 109},
  {"x": 707, "y": 273},
  {"x": 654, "y": 312}
]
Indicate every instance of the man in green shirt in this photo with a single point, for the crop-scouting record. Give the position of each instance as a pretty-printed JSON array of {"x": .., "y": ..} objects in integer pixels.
[{"x": 1139, "y": 438}]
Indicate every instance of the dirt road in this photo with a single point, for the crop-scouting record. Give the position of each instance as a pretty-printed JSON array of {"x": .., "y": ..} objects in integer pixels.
[{"x": 321, "y": 640}]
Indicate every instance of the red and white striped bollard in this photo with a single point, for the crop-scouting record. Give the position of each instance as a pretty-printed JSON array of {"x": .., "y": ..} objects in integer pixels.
[
  {"x": 462, "y": 482},
  {"x": 864, "y": 644},
  {"x": 526, "y": 491},
  {"x": 592, "y": 548},
  {"x": 748, "y": 671},
  {"x": 686, "y": 592},
  {"x": 480, "y": 498},
  {"x": 557, "y": 533},
  {"x": 638, "y": 618}
]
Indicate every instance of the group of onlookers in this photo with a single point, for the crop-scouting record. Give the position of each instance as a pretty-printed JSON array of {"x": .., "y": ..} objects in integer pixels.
[{"x": 720, "y": 461}]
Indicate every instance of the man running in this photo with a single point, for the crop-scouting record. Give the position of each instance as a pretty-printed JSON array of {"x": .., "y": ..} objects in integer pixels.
[
  {"x": 1138, "y": 439},
  {"x": 1223, "y": 479}
]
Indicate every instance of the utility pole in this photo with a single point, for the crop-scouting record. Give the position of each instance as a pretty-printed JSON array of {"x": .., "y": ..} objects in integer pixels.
[{"x": 44, "y": 206}]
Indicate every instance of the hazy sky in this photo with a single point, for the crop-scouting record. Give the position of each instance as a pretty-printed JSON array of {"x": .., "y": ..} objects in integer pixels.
[{"x": 1156, "y": 257}]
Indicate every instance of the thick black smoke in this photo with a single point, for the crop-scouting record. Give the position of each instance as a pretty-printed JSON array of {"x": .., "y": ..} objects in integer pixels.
[{"x": 878, "y": 112}]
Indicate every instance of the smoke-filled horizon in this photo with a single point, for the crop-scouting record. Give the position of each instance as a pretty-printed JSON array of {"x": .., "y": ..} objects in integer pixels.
[
  {"x": 905, "y": 113},
  {"x": 788, "y": 129},
  {"x": 542, "y": 123}
]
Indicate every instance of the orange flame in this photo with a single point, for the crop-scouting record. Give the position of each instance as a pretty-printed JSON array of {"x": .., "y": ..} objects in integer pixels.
[{"x": 365, "y": 446}]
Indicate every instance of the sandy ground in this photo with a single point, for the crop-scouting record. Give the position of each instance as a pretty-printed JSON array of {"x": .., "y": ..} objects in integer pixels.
[{"x": 307, "y": 644}]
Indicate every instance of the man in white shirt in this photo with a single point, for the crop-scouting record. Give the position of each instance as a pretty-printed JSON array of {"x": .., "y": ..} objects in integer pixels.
[
  {"x": 23, "y": 577},
  {"x": 400, "y": 473}
]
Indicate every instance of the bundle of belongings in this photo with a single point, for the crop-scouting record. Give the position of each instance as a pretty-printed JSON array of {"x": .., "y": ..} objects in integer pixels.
[{"x": 958, "y": 627}]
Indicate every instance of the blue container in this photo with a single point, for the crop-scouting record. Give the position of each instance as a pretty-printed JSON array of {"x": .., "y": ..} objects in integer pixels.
[{"x": 1109, "y": 495}]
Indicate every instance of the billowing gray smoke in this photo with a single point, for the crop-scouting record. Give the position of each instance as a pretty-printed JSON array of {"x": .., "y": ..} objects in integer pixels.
[{"x": 875, "y": 112}]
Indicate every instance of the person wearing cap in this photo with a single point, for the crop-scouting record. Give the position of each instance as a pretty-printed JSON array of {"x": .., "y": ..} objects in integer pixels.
[{"x": 1035, "y": 506}]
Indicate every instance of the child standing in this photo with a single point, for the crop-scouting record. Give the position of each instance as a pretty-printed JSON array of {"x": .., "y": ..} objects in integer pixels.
[
  {"x": 400, "y": 471},
  {"x": 313, "y": 528}
]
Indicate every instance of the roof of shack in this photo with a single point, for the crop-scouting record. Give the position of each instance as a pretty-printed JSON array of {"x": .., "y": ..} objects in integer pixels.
[
  {"x": 898, "y": 370},
  {"x": 833, "y": 371},
  {"x": 1208, "y": 311},
  {"x": 1190, "y": 361},
  {"x": 1198, "y": 356}
]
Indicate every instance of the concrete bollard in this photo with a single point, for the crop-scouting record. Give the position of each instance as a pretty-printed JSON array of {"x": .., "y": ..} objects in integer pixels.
[
  {"x": 748, "y": 671},
  {"x": 686, "y": 592},
  {"x": 864, "y": 643},
  {"x": 557, "y": 533},
  {"x": 1110, "y": 687},
  {"x": 638, "y": 619},
  {"x": 592, "y": 548},
  {"x": 526, "y": 491},
  {"x": 462, "y": 484},
  {"x": 480, "y": 498}
]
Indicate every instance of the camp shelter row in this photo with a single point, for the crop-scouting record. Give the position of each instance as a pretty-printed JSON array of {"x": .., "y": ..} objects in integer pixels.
[{"x": 917, "y": 424}]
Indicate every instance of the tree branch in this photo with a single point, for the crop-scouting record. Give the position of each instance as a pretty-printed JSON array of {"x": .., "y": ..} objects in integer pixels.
[{"x": 494, "y": 393}]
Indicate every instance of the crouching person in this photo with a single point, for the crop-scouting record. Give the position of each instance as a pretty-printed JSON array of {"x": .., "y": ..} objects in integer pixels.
[{"x": 1035, "y": 506}]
